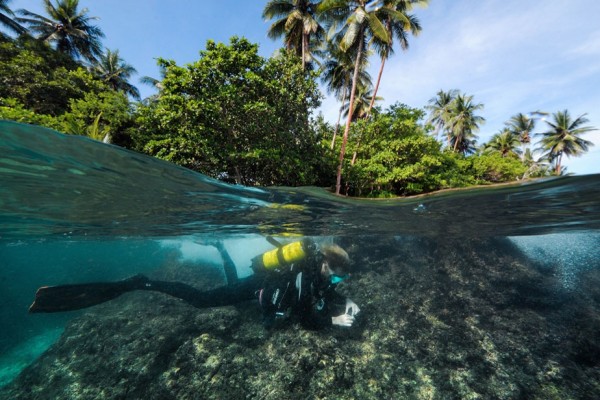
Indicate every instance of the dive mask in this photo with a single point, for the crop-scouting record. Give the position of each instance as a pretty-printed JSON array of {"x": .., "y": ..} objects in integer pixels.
[{"x": 335, "y": 279}]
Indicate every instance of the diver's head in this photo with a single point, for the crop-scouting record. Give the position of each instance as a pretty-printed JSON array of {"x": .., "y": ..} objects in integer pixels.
[{"x": 336, "y": 263}]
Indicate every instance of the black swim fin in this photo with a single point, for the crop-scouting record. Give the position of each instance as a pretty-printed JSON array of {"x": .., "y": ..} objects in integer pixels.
[{"x": 74, "y": 297}]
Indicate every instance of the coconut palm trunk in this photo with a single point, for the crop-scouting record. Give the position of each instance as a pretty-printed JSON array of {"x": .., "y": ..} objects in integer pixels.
[
  {"x": 371, "y": 103},
  {"x": 354, "y": 156},
  {"x": 337, "y": 126},
  {"x": 458, "y": 138},
  {"x": 558, "y": 164},
  {"x": 376, "y": 85},
  {"x": 338, "y": 183},
  {"x": 383, "y": 58},
  {"x": 304, "y": 50}
]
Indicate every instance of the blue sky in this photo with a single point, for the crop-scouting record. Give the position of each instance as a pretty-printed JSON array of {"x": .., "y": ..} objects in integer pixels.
[{"x": 512, "y": 55}]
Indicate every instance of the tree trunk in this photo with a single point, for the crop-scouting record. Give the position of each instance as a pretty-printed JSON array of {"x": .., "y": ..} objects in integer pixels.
[
  {"x": 238, "y": 175},
  {"x": 355, "y": 152},
  {"x": 339, "y": 118},
  {"x": 456, "y": 144},
  {"x": 376, "y": 87},
  {"x": 370, "y": 106},
  {"x": 338, "y": 183},
  {"x": 304, "y": 43},
  {"x": 558, "y": 162},
  {"x": 383, "y": 58}
]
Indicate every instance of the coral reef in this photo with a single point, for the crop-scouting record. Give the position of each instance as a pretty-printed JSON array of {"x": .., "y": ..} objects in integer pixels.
[{"x": 440, "y": 320}]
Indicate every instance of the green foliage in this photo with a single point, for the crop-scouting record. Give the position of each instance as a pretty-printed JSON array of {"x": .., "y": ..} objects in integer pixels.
[
  {"x": 43, "y": 87},
  {"x": 296, "y": 22},
  {"x": 453, "y": 113},
  {"x": 115, "y": 72},
  {"x": 11, "y": 109},
  {"x": 7, "y": 19},
  {"x": 494, "y": 168},
  {"x": 536, "y": 167},
  {"x": 98, "y": 114},
  {"x": 67, "y": 27},
  {"x": 563, "y": 138},
  {"x": 505, "y": 142},
  {"x": 236, "y": 116},
  {"x": 37, "y": 76},
  {"x": 396, "y": 156}
]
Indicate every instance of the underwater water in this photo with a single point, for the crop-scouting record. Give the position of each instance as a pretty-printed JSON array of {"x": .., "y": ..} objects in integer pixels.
[{"x": 480, "y": 293}]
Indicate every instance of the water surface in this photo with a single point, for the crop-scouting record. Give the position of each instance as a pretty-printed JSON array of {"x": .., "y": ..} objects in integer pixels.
[{"x": 75, "y": 210}]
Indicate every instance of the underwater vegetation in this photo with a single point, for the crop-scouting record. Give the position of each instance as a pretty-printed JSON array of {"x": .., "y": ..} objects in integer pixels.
[{"x": 468, "y": 319}]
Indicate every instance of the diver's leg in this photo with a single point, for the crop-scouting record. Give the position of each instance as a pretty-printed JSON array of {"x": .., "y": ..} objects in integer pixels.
[
  {"x": 228, "y": 265},
  {"x": 243, "y": 290},
  {"x": 76, "y": 296}
]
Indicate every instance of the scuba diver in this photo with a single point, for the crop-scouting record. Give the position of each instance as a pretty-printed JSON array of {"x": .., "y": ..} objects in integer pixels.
[{"x": 295, "y": 281}]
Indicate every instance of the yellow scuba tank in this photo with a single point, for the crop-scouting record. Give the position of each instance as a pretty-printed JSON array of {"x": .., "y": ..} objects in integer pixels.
[{"x": 283, "y": 255}]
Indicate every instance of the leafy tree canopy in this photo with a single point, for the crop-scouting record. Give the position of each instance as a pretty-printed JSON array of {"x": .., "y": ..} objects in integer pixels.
[
  {"x": 41, "y": 86},
  {"x": 397, "y": 157},
  {"x": 40, "y": 78},
  {"x": 236, "y": 116},
  {"x": 496, "y": 168}
]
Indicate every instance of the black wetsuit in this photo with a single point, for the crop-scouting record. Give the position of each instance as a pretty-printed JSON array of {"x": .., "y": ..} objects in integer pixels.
[{"x": 296, "y": 293}]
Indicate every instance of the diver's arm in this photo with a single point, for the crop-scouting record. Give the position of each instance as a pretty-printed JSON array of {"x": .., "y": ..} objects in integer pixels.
[
  {"x": 347, "y": 318},
  {"x": 316, "y": 316},
  {"x": 330, "y": 309},
  {"x": 351, "y": 307},
  {"x": 343, "y": 320}
]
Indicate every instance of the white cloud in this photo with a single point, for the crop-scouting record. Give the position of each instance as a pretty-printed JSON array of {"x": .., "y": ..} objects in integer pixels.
[{"x": 589, "y": 47}]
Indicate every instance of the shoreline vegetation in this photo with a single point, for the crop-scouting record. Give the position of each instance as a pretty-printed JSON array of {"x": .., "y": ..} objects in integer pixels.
[
  {"x": 245, "y": 119},
  {"x": 519, "y": 182}
]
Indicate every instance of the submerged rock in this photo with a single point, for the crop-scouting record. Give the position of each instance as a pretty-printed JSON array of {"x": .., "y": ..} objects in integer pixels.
[{"x": 469, "y": 320}]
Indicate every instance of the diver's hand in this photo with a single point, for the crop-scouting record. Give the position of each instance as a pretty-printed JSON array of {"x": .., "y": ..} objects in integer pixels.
[
  {"x": 343, "y": 320},
  {"x": 351, "y": 308}
]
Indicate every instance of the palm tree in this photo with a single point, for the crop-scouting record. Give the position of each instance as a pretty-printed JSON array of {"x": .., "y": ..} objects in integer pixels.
[
  {"x": 398, "y": 24},
  {"x": 504, "y": 142},
  {"x": 337, "y": 74},
  {"x": 156, "y": 83},
  {"x": 115, "y": 72},
  {"x": 6, "y": 18},
  {"x": 522, "y": 126},
  {"x": 360, "y": 23},
  {"x": 439, "y": 108},
  {"x": 535, "y": 167},
  {"x": 463, "y": 123},
  {"x": 296, "y": 22},
  {"x": 67, "y": 27},
  {"x": 362, "y": 100},
  {"x": 563, "y": 138}
]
